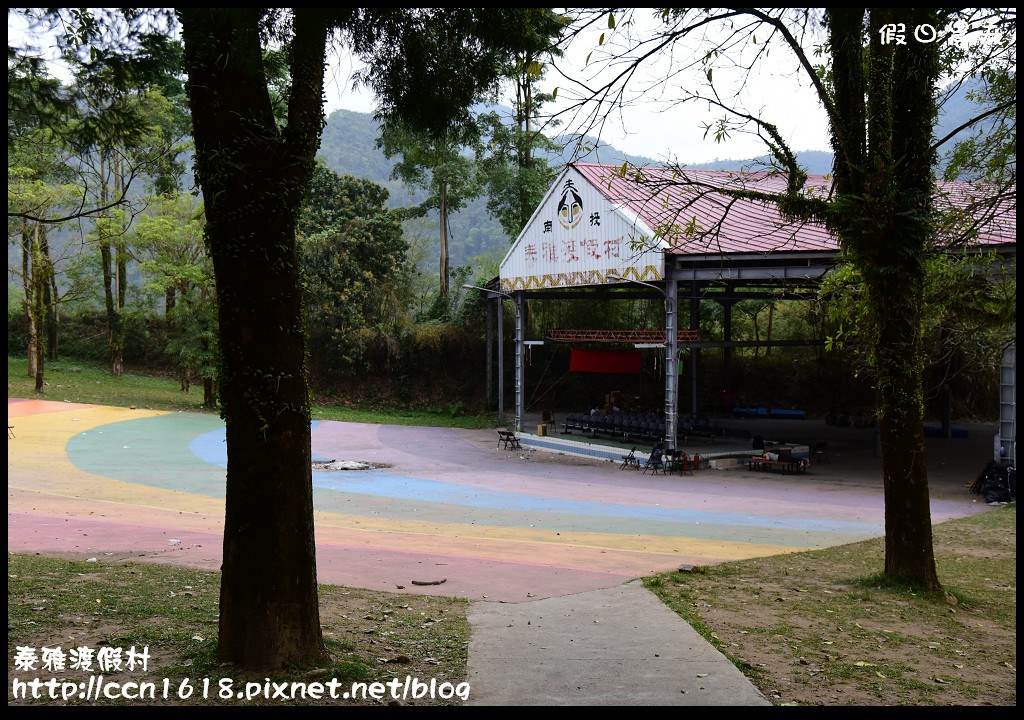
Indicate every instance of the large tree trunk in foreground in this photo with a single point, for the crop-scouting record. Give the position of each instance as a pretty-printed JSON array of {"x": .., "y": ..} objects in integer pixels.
[
  {"x": 899, "y": 371},
  {"x": 252, "y": 178},
  {"x": 882, "y": 135}
]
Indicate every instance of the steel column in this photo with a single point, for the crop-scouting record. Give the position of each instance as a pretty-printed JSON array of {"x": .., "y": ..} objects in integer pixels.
[
  {"x": 492, "y": 301},
  {"x": 520, "y": 357},
  {"x": 501, "y": 361},
  {"x": 671, "y": 365},
  {"x": 694, "y": 353}
]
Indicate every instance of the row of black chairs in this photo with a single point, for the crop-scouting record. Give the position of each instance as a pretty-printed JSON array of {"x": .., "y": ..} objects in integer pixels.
[
  {"x": 635, "y": 425},
  {"x": 700, "y": 427},
  {"x": 627, "y": 425}
]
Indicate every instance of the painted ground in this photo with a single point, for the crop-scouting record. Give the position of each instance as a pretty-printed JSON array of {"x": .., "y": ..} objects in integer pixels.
[{"x": 114, "y": 483}]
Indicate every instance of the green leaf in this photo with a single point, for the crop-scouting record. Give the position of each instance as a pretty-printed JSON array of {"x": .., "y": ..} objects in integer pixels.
[
  {"x": 611, "y": 21},
  {"x": 709, "y": 74},
  {"x": 600, "y": 40}
]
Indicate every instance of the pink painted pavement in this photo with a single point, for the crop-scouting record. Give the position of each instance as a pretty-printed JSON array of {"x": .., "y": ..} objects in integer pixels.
[{"x": 112, "y": 483}]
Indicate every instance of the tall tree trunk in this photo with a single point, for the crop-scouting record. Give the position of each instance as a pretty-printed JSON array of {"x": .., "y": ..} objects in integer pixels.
[
  {"x": 53, "y": 321},
  {"x": 122, "y": 275},
  {"x": 49, "y": 298},
  {"x": 40, "y": 283},
  {"x": 209, "y": 392},
  {"x": 121, "y": 280},
  {"x": 524, "y": 112},
  {"x": 28, "y": 287},
  {"x": 253, "y": 180},
  {"x": 885, "y": 220},
  {"x": 40, "y": 312},
  {"x": 909, "y": 551},
  {"x": 442, "y": 210},
  {"x": 115, "y": 333},
  {"x": 899, "y": 370}
]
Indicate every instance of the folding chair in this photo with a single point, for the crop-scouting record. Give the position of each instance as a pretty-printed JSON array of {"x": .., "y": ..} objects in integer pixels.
[
  {"x": 654, "y": 462},
  {"x": 630, "y": 461}
]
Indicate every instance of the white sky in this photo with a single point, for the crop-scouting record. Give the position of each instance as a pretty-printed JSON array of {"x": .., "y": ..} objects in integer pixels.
[
  {"x": 777, "y": 93},
  {"x": 647, "y": 127}
]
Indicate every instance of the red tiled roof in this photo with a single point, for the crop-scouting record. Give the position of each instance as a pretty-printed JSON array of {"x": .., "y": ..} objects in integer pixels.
[{"x": 706, "y": 222}]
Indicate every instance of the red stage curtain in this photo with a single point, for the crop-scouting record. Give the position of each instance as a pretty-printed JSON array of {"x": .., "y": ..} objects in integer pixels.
[{"x": 601, "y": 361}]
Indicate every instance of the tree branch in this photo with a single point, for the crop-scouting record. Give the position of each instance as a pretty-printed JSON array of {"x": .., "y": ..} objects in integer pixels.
[
  {"x": 999, "y": 108},
  {"x": 77, "y": 214},
  {"x": 305, "y": 100}
]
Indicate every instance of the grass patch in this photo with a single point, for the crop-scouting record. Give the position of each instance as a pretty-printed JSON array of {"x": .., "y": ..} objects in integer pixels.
[
  {"x": 825, "y": 628},
  {"x": 371, "y": 636},
  {"x": 401, "y": 416},
  {"x": 78, "y": 381}
]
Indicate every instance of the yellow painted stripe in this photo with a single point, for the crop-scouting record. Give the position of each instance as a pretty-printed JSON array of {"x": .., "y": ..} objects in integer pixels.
[{"x": 45, "y": 475}]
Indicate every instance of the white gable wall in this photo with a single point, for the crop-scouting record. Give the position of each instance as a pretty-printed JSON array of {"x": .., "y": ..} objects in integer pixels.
[{"x": 578, "y": 237}]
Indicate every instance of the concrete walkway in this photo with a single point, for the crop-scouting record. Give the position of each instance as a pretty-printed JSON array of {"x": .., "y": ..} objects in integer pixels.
[{"x": 617, "y": 646}]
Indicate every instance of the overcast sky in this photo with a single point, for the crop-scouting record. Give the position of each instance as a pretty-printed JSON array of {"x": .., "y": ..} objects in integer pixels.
[
  {"x": 651, "y": 125},
  {"x": 647, "y": 126}
]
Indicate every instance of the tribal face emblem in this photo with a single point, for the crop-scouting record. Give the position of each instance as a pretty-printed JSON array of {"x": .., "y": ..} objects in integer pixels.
[{"x": 570, "y": 207}]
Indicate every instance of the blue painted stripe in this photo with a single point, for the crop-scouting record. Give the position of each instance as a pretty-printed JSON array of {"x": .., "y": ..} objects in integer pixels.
[
  {"x": 211, "y": 448},
  {"x": 384, "y": 484},
  {"x": 380, "y": 483}
]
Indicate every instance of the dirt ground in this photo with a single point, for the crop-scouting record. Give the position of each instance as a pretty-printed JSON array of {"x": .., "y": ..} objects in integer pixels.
[
  {"x": 371, "y": 636},
  {"x": 822, "y": 628}
]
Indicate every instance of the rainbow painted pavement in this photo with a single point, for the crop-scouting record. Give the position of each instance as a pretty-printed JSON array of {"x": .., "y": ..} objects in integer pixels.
[{"x": 114, "y": 483}]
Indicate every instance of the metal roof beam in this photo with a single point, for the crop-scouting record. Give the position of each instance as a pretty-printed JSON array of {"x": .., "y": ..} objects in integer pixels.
[{"x": 741, "y": 273}]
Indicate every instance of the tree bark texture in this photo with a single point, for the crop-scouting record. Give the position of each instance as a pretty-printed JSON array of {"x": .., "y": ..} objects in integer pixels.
[
  {"x": 209, "y": 393},
  {"x": 442, "y": 211},
  {"x": 884, "y": 219},
  {"x": 40, "y": 281},
  {"x": 28, "y": 287},
  {"x": 252, "y": 175},
  {"x": 115, "y": 323}
]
